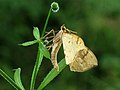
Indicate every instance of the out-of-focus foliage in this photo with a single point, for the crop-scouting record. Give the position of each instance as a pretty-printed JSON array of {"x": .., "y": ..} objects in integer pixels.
[{"x": 96, "y": 21}]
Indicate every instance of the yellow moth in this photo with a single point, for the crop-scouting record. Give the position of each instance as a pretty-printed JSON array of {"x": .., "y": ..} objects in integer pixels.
[
  {"x": 77, "y": 55},
  {"x": 57, "y": 41}
]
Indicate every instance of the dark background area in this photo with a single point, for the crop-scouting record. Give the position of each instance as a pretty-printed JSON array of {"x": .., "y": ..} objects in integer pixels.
[{"x": 97, "y": 22}]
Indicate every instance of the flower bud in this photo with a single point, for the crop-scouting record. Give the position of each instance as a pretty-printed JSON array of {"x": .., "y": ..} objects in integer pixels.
[{"x": 55, "y": 7}]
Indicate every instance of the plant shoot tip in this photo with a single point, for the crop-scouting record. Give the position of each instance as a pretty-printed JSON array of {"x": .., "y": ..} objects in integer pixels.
[{"x": 55, "y": 7}]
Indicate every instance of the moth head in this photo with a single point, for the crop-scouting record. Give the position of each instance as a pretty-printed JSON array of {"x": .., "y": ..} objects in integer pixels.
[{"x": 64, "y": 29}]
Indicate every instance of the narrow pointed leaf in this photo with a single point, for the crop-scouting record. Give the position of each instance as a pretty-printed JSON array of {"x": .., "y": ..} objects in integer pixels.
[
  {"x": 36, "y": 33},
  {"x": 8, "y": 79},
  {"x": 18, "y": 79},
  {"x": 44, "y": 50},
  {"x": 29, "y": 43},
  {"x": 52, "y": 74}
]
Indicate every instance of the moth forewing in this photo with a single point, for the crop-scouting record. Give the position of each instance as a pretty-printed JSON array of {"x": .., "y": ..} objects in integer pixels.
[
  {"x": 55, "y": 48},
  {"x": 77, "y": 55},
  {"x": 54, "y": 52},
  {"x": 83, "y": 60},
  {"x": 71, "y": 45}
]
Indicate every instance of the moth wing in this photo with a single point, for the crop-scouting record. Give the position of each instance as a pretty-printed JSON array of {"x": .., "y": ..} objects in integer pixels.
[
  {"x": 71, "y": 45},
  {"x": 55, "y": 48},
  {"x": 83, "y": 60}
]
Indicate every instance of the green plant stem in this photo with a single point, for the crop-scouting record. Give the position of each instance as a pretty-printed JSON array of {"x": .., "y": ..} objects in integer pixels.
[
  {"x": 6, "y": 77},
  {"x": 39, "y": 56},
  {"x": 36, "y": 68},
  {"x": 46, "y": 22},
  {"x": 52, "y": 74}
]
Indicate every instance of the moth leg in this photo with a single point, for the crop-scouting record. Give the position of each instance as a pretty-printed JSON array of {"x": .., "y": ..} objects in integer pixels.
[
  {"x": 49, "y": 47},
  {"x": 46, "y": 41},
  {"x": 51, "y": 31},
  {"x": 49, "y": 37},
  {"x": 48, "y": 33}
]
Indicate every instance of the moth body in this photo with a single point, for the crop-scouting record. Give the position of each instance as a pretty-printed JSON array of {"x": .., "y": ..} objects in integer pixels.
[{"x": 77, "y": 55}]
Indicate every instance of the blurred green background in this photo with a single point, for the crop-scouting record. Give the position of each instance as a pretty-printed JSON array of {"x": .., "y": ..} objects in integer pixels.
[{"x": 96, "y": 21}]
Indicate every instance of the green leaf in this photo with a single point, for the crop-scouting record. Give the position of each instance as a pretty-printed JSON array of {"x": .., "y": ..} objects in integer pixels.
[
  {"x": 18, "y": 79},
  {"x": 29, "y": 43},
  {"x": 36, "y": 33},
  {"x": 44, "y": 50},
  {"x": 52, "y": 74},
  {"x": 8, "y": 79}
]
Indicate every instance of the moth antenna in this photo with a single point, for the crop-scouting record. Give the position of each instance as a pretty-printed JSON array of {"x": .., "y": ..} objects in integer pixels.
[{"x": 74, "y": 32}]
